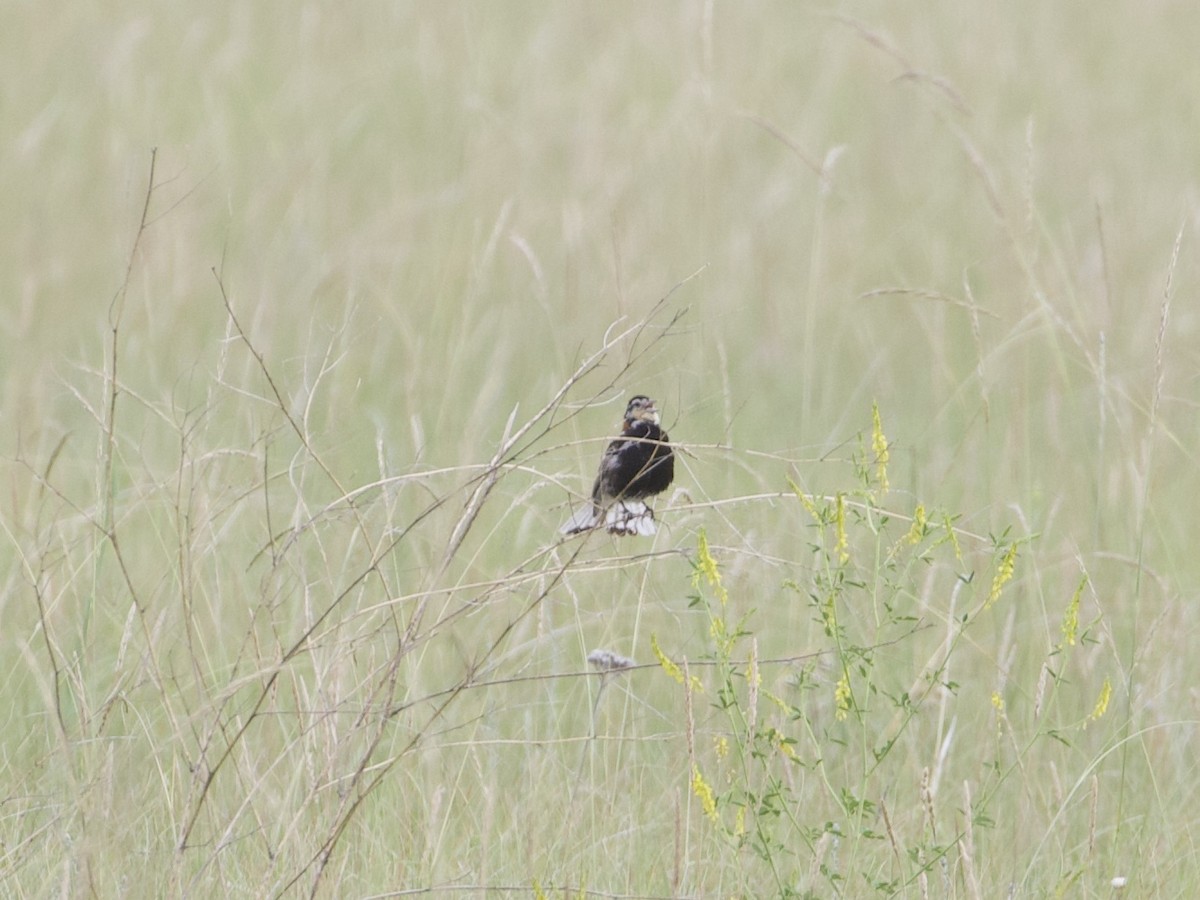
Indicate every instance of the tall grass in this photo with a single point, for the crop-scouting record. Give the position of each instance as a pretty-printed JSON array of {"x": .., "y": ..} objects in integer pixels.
[{"x": 297, "y": 402}]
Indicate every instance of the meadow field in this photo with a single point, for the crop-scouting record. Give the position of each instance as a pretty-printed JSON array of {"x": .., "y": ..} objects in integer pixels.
[{"x": 318, "y": 318}]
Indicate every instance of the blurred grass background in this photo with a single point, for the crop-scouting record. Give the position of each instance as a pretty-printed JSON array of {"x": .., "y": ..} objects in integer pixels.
[{"x": 981, "y": 218}]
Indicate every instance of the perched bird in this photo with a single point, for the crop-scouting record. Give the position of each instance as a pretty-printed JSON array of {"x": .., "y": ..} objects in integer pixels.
[{"x": 638, "y": 464}]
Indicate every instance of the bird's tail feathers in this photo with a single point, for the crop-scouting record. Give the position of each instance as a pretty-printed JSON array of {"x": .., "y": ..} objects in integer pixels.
[{"x": 630, "y": 517}]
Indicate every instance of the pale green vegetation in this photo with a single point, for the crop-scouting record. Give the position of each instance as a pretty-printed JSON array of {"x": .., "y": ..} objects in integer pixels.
[{"x": 284, "y": 606}]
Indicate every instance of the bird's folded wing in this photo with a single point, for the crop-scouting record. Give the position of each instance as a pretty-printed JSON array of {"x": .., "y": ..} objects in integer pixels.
[{"x": 585, "y": 518}]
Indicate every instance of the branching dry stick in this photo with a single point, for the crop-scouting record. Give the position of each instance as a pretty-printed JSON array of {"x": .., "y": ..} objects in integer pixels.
[
  {"x": 107, "y": 486},
  {"x": 37, "y": 578},
  {"x": 355, "y": 798},
  {"x": 116, "y": 310},
  {"x": 484, "y": 483},
  {"x": 295, "y": 425},
  {"x": 105, "y": 490},
  {"x": 270, "y": 678}
]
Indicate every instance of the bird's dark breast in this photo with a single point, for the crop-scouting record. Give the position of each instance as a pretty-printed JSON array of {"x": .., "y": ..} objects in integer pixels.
[{"x": 642, "y": 465}]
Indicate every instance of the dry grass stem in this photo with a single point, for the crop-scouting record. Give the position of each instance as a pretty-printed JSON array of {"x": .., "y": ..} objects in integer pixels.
[{"x": 296, "y": 405}]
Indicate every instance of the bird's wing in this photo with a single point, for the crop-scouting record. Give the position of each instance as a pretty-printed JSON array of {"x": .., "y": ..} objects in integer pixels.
[{"x": 584, "y": 519}]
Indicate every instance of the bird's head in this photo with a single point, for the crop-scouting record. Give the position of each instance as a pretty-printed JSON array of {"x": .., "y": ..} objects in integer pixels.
[{"x": 641, "y": 409}]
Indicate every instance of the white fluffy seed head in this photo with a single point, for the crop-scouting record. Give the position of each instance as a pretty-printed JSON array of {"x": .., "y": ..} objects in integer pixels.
[{"x": 607, "y": 661}]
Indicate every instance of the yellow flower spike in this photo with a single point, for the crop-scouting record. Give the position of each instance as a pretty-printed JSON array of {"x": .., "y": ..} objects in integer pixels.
[
  {"x": 842, "y": 546},
  {"x": 706, "y": 566},
  {"x": 778, "y": 701},
  {"x": 805, "y": 501},
  {"x": 1101, "y": 706},
  {"x": 701, "y": 789},
  {"x": 1070, "y": 625},
  {"x": 669, "y": 667},
  {"x": 879, "y": 446},
  {"x": 918, "y": 525},
  {"x": 780, "y": 742},
  {"x": 1004, "y": 575}
]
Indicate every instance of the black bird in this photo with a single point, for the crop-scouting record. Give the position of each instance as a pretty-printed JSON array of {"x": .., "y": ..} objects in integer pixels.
[{"x": 638, "y": 464}]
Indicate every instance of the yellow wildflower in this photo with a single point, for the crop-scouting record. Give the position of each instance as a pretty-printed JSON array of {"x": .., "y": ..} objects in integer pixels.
[
  {"x": 701, "y": 789},
  {"x": 879, "y": 445},
  {"x": 668, "y": 666},
  {"x": 1004, "y": 575}
]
